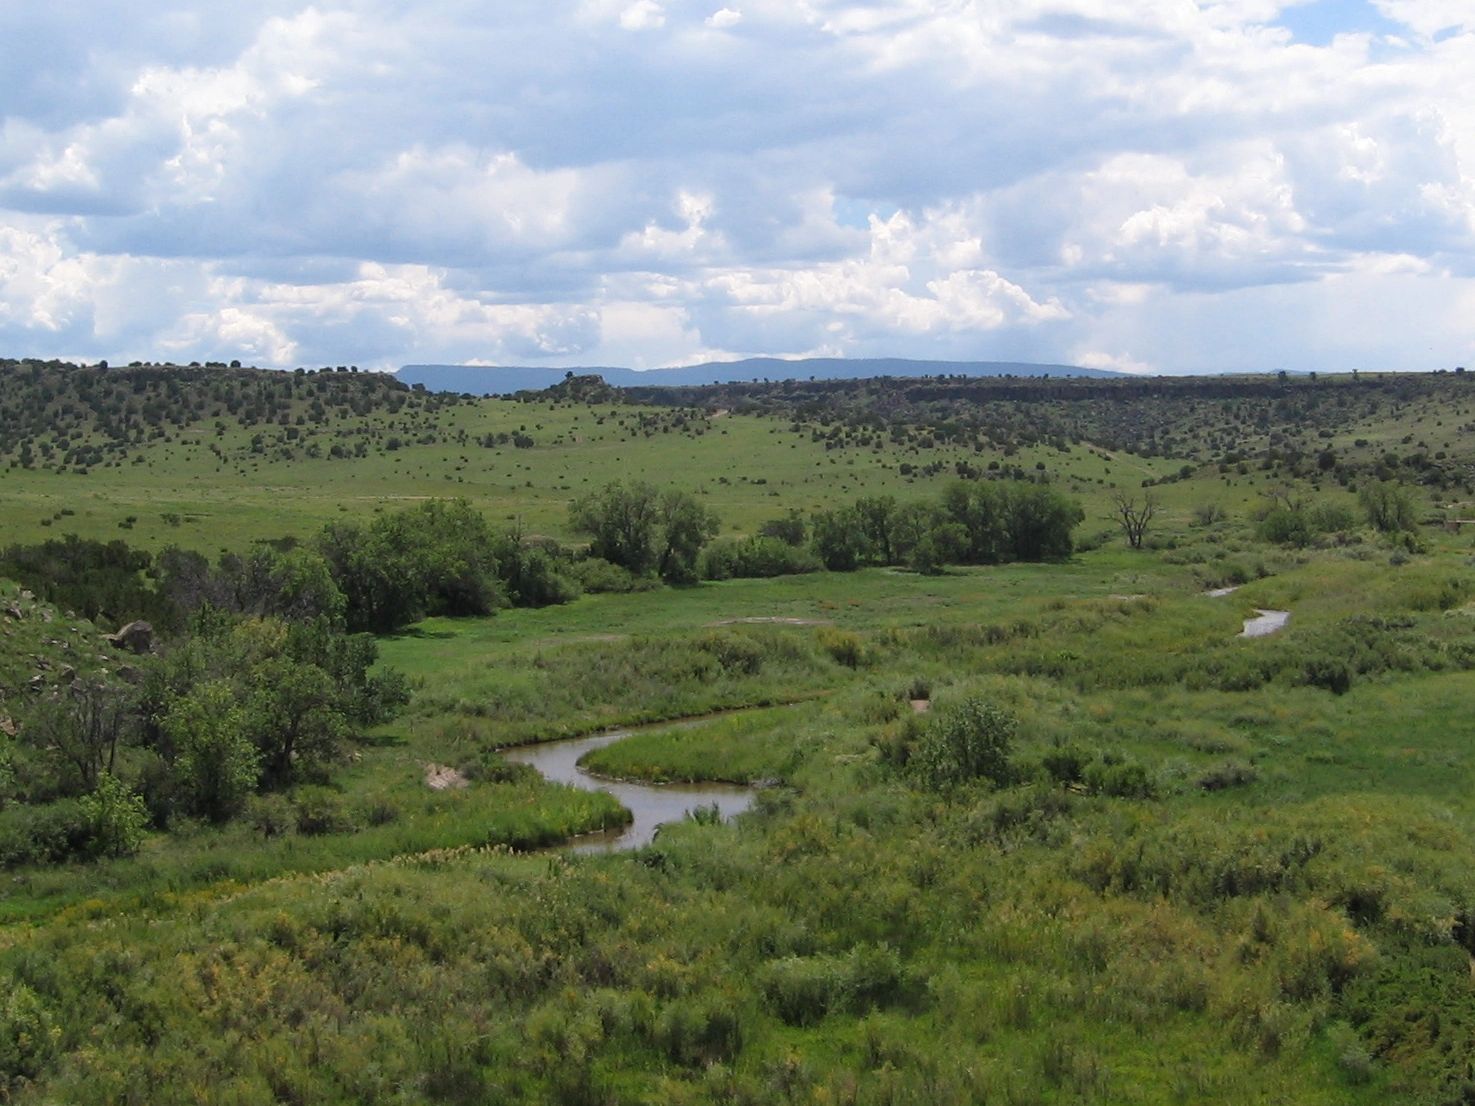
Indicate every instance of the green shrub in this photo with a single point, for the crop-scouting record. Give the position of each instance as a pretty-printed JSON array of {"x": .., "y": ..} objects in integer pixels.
[
  {"x": 1332, "y": 673},
  {"x": 1230, "y": 774},
  {"x": 116, "y": 818},
  {"x": 967, "y": 741},
  {"x": 844, "y": 646},
  {"x": 1026, "y": 812},
  {"x": 736, "y": 653},
  {"x": 321, "y": 811},
  {"x": 597, "y": 577},
  {"x": 803, "y": 990},
  {"x": 1120, "y": 779},
  {"x": 490, "y": 766},
  {"x": 800, "y": 989},
  {"x": 701, "y": 1031},
  {"x": 756, "y": 557},
  {"x": 1327, "y": 518},
  {"x": 28, "y": 1036},
  {"x": 271, "y": 815},
  {"x": 1066, "y": 764},
  {"x": 46, "y": 834}
]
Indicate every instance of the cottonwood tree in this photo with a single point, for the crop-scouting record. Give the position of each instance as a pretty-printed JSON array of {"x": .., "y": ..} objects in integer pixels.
[
  {"x": 644, "y": 529},
  {"x": 1389, "y": 506},
  {"x": 1134, "y": 517}
]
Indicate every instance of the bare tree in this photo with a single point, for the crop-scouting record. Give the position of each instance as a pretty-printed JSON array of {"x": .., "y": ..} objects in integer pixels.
[
  {"x": 79, "y": 732},
  {"x": 1134, "y": 517}
]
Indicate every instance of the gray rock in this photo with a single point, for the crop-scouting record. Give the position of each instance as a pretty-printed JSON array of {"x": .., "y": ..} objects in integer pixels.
[{"x": 136, "y": 637}]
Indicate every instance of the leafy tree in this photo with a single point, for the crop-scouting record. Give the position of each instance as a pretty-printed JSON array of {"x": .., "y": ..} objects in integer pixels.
[
  {"x": 295, "y": 719},
  {"x": 926, "y": 538},
  {"x": 645, "y": 530},
  {"x": 533, "y": 574},
  {"x": 790, "y": 529},
  {"x": 685, "y": 526},
  {"x": 979, "y": 508},
  {"x": 216, "y": 764},
  {"x": 383, "y": 588},
  {"x": 837, "y": 539},
  {"x": 877, "y": 519},
  {"x": 1389, "y": 506},
  {"x": 621, "y": 520},
  {"x": 301, "y": 689},
  {"x": 295, "y": 584},
  {"x": 457, "y": 552},
  {"x": 1039, "y": 522}
]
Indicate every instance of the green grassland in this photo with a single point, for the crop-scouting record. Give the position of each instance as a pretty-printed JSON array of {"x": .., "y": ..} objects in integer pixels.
[
  {"x": 207, "y": 475},
  {"x": 746, "y": 468},
  {"x": 1217, "y": 868}
]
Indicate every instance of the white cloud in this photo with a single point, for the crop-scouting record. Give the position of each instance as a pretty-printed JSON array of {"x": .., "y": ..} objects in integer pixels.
[
  {"x": 1429, "y": 17},
  {"x": 244, "y": 333},
  {"x": 1114, "y": 362},
  {"x": 1057, "y": 179},
  {"x": 643, "y": 15}
]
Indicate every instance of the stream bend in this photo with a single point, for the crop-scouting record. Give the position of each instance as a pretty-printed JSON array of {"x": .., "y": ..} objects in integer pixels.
[{"x": 651, "y": 804}]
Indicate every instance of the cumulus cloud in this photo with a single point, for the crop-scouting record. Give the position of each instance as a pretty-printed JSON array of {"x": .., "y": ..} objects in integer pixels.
[{"x": 652, "y": 182}]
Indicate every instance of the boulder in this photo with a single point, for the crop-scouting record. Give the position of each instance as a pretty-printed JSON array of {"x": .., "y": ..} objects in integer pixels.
[{"x": 136, "y": 637}]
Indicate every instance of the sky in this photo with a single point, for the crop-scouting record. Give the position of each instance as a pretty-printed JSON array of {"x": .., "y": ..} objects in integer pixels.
[{"x": 1156, "y": 186}]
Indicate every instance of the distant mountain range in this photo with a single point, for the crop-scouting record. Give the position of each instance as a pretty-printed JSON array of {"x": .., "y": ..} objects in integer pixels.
[{"x": 505, "y": 379}]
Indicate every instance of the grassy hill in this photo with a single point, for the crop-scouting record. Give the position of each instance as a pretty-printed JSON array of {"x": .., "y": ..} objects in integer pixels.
[{"x": 212, "y": 458}]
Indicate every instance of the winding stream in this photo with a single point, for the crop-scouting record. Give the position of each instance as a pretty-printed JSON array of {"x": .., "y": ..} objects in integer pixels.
[
  {"x": 1265, "y": 623},
  {"x": 651, "y": 804}
]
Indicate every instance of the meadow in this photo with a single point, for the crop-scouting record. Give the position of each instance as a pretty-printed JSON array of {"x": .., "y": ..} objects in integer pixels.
[{"x": 1124, "y": 855}]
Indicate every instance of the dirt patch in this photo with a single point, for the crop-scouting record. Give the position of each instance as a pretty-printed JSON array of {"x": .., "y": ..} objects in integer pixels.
[
  {"x": 438, "y": 777},
  {"x": 579, "y": 639},
  {"x": 921, "y": 706},
  {"x": 772, "y": 620}
]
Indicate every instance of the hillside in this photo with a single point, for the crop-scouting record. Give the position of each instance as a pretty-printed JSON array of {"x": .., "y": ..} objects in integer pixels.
[
  {"x": 507, "y": 379},
  {"x": 212, "y": 457}
]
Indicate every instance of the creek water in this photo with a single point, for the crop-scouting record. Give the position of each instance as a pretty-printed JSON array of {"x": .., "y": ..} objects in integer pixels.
[
  {"x": 1265, "y": 623},
  {"x": 652, "y": 804}
]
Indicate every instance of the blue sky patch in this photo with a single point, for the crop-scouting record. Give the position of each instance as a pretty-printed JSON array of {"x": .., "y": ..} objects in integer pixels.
[{"x": 1318, "y": 22}]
